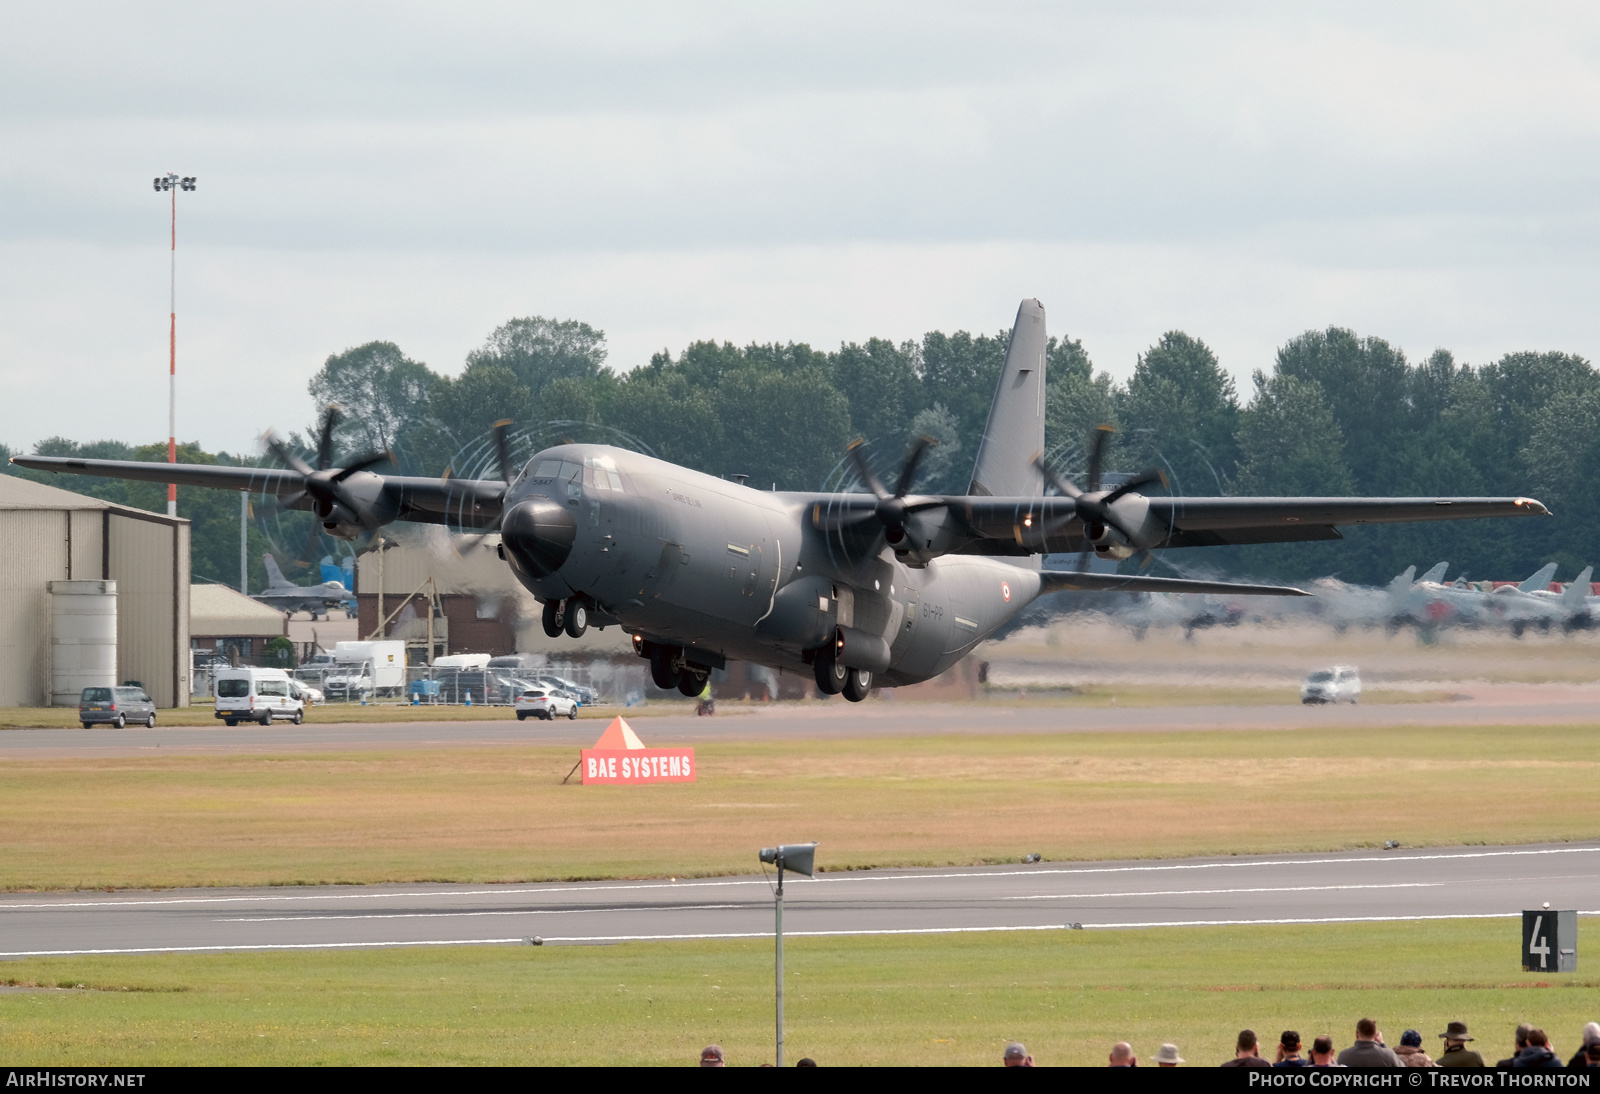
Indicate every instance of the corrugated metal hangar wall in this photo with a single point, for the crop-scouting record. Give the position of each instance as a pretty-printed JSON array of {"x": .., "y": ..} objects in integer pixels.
[{"x": 48, "y": 535}]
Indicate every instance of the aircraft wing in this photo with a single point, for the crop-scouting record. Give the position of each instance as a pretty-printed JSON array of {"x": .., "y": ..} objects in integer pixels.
[
  {"x": 1049, "y": 525},
  {"x": 1055, "y": 581},
  {"x": 371, "y": 499}
]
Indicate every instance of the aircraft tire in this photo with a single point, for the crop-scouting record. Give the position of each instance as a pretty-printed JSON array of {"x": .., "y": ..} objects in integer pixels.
[
  {"x": 552, "y": 618},
  {"x": 662, "y": 671},
  {"x": 577, "y": 619},
  {"x": 690, "y": 684},
  {"x": 857, "y": 684},
  {"x": 830, "y": 674}
]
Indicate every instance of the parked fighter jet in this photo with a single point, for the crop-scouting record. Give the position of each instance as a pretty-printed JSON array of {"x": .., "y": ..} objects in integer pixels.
[
  {"x": 1534, "y": 604},
  {"x": 882, "y": 588},
  {"x": 286, "y": 596}
]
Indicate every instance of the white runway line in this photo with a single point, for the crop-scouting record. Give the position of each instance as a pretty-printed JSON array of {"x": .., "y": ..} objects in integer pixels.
[
  {"x": 653, "y": 909},
  {"x": 1224, "y": 892},
  {"x": 825, "y": 879},
  {"x": 731, "y": 935}
]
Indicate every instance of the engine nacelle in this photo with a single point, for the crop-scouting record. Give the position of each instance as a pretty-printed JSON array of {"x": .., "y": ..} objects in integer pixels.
[{"x": 1109, "y": 543}]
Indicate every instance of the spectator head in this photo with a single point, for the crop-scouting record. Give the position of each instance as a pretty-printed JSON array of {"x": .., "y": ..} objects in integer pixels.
[
  {"x": 1411, "y": 1039},
  {"x": 1122, "y": 1055},
  {"x": 1016, "y": 1055},
  {"x": 1168, "y": 1056},
  {"x": 1537, "y": 1038},
  {"x": 1290, "y": 1041},
  {"x": 1591, "y": 1033},
  {"x": 1246, "y": 1045},
  {"x": 1322, "y": 1050},
  {"x": 1456, "y": 1034},
  {"x": 1522, "y": 1035},
  {"x": 1366, "y": 1029},
  {"x": 806, "y": 1061},
  {"x": 711, "y": 1056}
]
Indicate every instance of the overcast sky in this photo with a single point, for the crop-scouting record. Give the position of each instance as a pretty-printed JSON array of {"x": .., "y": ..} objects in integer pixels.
[{"x": 421, "y": 173}]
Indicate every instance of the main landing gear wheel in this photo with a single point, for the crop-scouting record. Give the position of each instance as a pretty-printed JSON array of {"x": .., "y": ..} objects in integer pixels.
[
  {"x": 857, "y": 684},
  {"x": 830, "y": 674},
  {"x": 577, "y": 619},
  {"x": 663, "y": 673},
  {"x": 552, "y": 618},
  {"x": 691, "y": 684}
]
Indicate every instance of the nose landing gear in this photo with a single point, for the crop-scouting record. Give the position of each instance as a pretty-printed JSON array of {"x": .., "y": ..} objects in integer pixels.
[{"x": 569, "y": 617}]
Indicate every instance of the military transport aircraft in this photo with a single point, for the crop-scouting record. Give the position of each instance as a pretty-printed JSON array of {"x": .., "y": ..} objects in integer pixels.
[{"x": 861, "y": 589}]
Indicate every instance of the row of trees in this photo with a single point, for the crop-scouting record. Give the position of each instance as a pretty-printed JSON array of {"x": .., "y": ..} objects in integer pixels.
[{"x": 1336, "y": 414}]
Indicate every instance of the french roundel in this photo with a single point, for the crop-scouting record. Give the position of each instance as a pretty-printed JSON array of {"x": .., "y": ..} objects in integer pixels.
[{"x": 1005, "y": 590}]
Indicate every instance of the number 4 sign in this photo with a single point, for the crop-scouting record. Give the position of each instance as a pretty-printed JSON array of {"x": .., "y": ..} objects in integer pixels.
[{"x": 1549, "y": 941}]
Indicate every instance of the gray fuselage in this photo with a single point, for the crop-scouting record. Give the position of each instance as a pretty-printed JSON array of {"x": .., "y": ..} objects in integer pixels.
[{"x": 726, "y": 571}]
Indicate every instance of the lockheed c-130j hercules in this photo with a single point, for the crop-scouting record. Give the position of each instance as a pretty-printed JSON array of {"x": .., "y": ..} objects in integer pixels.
[{"x": 863, "y": 589}]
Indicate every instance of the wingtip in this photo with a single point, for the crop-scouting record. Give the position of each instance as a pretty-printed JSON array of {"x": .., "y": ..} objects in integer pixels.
[{"x": 1537, "y": 508}]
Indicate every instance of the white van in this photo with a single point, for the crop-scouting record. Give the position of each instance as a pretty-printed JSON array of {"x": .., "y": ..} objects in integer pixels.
[{"x": 257, "y": 695}]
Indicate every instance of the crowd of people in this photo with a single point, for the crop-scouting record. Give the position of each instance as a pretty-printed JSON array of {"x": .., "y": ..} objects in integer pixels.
[{"x": 1533, "y": 1051}]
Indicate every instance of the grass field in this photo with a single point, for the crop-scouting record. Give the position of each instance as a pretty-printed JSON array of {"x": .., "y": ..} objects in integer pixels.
[
  {"x": 486, "y": 813},
  {"x": 946, "y": 999}
]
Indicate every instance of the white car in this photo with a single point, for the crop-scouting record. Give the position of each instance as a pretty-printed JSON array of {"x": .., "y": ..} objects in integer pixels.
[
  {"x": 303, "y": 691},
  {"x": 1340, "y": 684},
  {"x": 544, "y": 703}
]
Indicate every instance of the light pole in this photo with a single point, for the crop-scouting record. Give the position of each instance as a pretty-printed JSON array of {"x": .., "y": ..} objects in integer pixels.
[
  {"x": 172, "y": 182},
  {"x": 796, "y": 858}
]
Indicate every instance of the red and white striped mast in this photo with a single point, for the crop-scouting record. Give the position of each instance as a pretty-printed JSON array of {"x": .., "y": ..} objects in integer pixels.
[{"x": 172, "y": 182}]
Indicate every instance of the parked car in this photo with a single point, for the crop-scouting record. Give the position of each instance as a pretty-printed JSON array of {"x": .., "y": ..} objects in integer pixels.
[
  {"x": 577, "y": 691},
  {"x": 1340, "y": 684},
  {"x": 545, "y": 703},
  {"x": 303, "y": 691},
  {"x": 257, "y": 695},
  {"x": 116, "y": 707}
]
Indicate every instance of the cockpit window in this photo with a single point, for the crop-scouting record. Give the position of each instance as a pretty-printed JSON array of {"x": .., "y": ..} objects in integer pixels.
[
  {"x": 548, "y": 469},
  {"x": 603, "y": 473}
]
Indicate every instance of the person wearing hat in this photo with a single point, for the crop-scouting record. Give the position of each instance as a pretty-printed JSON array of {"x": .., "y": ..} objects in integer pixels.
[
  {"x": 1409, "y": 1051},
  {"x": 1167, "y": 1056},
  {"x": 1016, "y": 1055},
  {"x": 1456, "y": 1053}
]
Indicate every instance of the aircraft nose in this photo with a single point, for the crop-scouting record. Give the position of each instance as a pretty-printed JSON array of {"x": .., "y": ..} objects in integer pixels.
[{"x": 538, "y": 533}]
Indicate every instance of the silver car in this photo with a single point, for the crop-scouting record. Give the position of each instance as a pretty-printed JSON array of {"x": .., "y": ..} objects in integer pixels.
[{"x": 116, "y": 707}]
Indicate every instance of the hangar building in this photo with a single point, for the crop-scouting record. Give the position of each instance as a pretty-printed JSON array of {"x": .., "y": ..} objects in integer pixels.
[{"x": 48, "y": 535}]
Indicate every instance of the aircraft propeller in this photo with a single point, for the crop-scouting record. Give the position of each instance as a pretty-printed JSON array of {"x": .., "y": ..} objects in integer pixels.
[
  {"x": 500, "y": 435},
  {"x": 1092, "y": 507},
  {"x": 324, "y": 483},
  {"x": 892, "y": 509}
]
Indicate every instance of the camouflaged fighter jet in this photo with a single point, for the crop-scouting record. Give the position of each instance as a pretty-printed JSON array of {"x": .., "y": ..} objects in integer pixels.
[{"x": 862, "y": 589}]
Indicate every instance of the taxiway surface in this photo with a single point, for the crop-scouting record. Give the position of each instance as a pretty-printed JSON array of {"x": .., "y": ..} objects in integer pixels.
[
  {"x": 1476, "y": 882},
  {"x": 789, "y": 721}
]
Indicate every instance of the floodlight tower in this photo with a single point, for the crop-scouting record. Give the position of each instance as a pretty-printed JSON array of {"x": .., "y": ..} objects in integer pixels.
[{"x": 172, "y": 182}]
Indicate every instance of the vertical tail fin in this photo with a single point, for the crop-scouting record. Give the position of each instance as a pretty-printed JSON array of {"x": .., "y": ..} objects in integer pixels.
[
  {"x": 1540, "y": 580},
  {"x": 1578, "y": 590},
  {"x": 1435, "y": 575},
  {"x": 1402, "y": 580},
  {"x": 274, "y": 575},
  {"x": 1014, "y": 434}
]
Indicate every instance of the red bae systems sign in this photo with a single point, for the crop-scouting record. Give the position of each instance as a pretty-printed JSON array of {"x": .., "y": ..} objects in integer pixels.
[{"x": 620, "y": 757}]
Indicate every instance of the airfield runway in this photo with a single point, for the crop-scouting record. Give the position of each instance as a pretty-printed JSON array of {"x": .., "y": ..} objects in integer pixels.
[
  {"x": 1503, "y": 706},
  {"x": 1476, "y": 882}
]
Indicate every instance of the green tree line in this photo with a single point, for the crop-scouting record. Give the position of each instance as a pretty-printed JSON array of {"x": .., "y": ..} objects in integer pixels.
[{"x": 1337, "y": 414}]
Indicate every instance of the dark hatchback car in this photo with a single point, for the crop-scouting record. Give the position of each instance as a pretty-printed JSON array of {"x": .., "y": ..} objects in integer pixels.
[{"x": 116, "y": 706}]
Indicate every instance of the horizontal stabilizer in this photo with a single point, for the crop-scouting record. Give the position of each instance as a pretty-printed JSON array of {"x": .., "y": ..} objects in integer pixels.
[{"x": 1055, "y": 581}]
